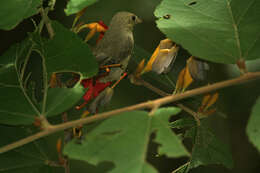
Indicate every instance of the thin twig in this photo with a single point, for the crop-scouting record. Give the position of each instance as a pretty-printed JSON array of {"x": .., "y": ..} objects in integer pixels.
[
  {"x": 151, "y": 87},
  {"x": 168, "y": 99},
  {"x": 191, "y": 112},
  {"x": 47, "y": 22}
]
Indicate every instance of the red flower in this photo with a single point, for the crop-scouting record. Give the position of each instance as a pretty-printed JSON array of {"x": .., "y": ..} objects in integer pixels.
[
  {"x": 102, "y": 33},
  {"x": 94, "y": 88}
]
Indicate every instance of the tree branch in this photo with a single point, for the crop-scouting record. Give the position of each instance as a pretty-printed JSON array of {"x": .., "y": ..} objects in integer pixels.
[
  {"x": 142, "y": 82},
  {"x": 168, "y": 99}
]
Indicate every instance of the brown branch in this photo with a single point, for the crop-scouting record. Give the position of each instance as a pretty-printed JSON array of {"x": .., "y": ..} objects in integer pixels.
[
  {"x": 168, "y": 99},
  {"x": 142, "y": 82}
]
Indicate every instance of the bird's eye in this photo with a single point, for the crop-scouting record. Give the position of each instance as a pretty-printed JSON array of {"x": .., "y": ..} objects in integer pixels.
[{"x": 133, "y": 18}]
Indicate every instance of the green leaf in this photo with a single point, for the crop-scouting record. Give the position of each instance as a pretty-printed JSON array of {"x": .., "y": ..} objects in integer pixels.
[
  {"x": 253, "y": 130},
  {"x": 61, "y": 99},
  {"x": 33, "y": 157},
  {"x": 183, "y": 169},
  {"x": 66, "y": 52},
  {"x": 208, "y": 149},
  {"x": 15, "y": 108},
  {"x": 148, "y": 168},
  {"x": 75, "y": 6},
  {"x": 14, "y": 11},
  {"x": 124, "y": 140},
  {"x": 164, "y": 134},
  {"x": 182, "y": 123},
  {"x": 219, "y": 31}
]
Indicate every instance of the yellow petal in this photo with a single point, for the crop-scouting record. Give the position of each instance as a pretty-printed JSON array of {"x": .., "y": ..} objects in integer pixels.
[
  {"x": 90, "y": 34},
  {"x": 166, "y": 44},
  {"x": 187, "y": 79},
  {"x": 53, "y": 81},
  {"x": 205, "y": 101},
  {"x": 139, "y": 68},
  {"x": 212, "y": 100},
  {"x": 180, "y": 81},
  {"x": 148, "y": 66},
  {"x": 77, "y": 132},
  {"x": 100, "y": 28},
  {"x": 58, "y": 145},
  {"x": 208, "y": 100},
  {"x": 85, "y": 113}
]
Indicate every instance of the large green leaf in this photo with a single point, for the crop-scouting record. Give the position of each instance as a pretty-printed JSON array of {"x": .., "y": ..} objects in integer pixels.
[
  {"x": 15, "y": 108},
  {"x": 220, "y": 31},
  {"x": 208, "y": 149},
  {"x": 34, "y": 157},
  {"x": 124, "y": 139},
  {"x": 253, "y": 129},
  {"x": 14, "y": 11},
  {"x": 164, "y": 134},
  {"x": 61, "y": 99},
  {"x": 19, "y": 107},
  {"x": 75, "y": 6},
  {"x": 66, "y": 52}
]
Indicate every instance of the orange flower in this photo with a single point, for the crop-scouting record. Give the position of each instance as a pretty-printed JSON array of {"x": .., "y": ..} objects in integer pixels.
[
  {"x": 207, "y": 102},
  {"x": 163, "y": 57}
]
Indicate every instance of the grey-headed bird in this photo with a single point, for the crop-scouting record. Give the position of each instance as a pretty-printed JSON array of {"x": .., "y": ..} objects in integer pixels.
[{"x": 117, "y": 44}]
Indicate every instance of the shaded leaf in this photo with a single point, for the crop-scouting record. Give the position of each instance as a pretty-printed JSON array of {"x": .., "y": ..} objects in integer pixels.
[
  {"x": 74, "y": 56},
  {"x": 75, "y": 6},
  {"x": 14, "y": 11},
  {"x": 15, "y": 107},
  {"x": 208, "y": 149},
  {"x": 32, "y": 157},
  {"x": 61, "y": 99},
  {"x": 148, "y": 168},
  {"x": 124, "y": 139},
  {"x": 182, "y": 123},
  {"x": 219, "y": 31},
  {"x": 253, "y": 130}
]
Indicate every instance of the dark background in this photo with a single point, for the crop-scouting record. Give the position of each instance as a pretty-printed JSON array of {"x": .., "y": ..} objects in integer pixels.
[{"x": 234, "y": 102}]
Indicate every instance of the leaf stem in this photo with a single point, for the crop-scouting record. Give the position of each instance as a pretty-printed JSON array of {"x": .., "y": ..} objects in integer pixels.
[
  {"x": 182, "y": 166},
  {"x": 167, "y": 99},
  {"x": 47, "y": 21}
]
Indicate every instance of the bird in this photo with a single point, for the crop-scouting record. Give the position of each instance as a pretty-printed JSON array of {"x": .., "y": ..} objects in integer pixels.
[{"x": 117, "y": 45}]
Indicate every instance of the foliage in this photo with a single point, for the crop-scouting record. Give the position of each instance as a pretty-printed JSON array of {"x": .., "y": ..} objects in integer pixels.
[
  {"x": 41, "y": 84},
  {"x": 13, "y": 12},
  {"x": 220, "y": 31},
  {"x": 252, "y": 126}
]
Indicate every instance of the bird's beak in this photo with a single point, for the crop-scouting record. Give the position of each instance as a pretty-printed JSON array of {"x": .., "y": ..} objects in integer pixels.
[{"x": 139, "y": 20}]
